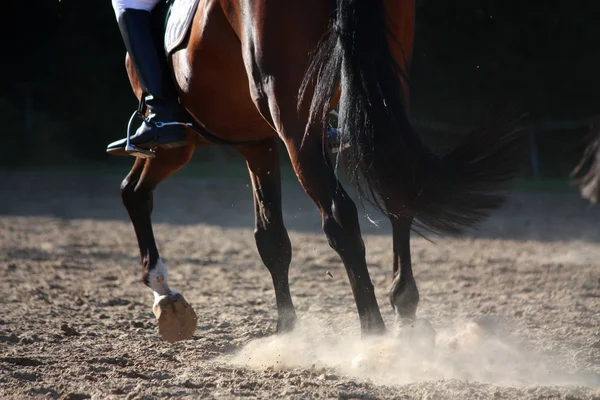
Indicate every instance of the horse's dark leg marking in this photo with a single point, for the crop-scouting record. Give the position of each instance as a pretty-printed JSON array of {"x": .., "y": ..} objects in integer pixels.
[{"x": 271, "y": 236}]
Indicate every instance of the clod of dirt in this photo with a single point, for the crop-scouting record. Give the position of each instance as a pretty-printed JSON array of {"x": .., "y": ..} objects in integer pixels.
[
  {"x": 117, "y": 302},
  {"x": 68, "y": 330},
  {"x": 120, "y": 361},
  {"x": 137, "y": 324},
  {"x": 30, "y": 339},
  {"x": 24, "y": 376},
  {"x": 12, "y": 338},
  {"x": 24, "y": 361},
  {"x": 76, "y": 396},
  {"x": 329, "y": 377},
  {"x": 192, "y": 385},
  {"x": 134, "y": 375}
]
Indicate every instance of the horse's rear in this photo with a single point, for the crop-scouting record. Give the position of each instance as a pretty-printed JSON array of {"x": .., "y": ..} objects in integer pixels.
[{"x": 240, "y": 74}]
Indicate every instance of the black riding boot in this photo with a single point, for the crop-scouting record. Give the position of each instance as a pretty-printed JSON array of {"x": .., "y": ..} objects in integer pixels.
[{"x": 157, "y": 85}]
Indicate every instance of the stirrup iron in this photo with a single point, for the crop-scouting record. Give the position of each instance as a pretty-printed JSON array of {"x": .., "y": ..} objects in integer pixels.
[{"x": 132, "y": 149}]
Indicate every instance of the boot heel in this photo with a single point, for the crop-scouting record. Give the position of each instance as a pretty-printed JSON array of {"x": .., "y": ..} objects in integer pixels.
[{"x": 139, "y": 152}]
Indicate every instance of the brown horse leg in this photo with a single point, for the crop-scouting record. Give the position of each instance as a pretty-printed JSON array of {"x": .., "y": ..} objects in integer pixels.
[
  {"x": 340, "y": 225},
  {"x": 338, "y": 211},
  {"x": 274, "y": 88},
  {"x": 271, "y": 236},
  {"x": 176, "y": 319},
  {"x": 404, "y": 295}
]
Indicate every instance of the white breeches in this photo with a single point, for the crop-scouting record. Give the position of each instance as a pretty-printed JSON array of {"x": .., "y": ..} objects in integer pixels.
[{"x": 120, "y": 5}]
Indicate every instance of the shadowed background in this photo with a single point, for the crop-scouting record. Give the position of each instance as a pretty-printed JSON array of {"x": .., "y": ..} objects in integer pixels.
[{"x": 65, "y": 93}]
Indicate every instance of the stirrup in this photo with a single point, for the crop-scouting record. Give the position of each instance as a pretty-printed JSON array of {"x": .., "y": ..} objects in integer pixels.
[
  {"x": 132, "y": 149},
  {"x": 338, "y": 145}
]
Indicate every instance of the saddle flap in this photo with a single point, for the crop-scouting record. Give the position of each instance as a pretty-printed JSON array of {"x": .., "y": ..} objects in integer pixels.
[{"x": 179, "y": 19}]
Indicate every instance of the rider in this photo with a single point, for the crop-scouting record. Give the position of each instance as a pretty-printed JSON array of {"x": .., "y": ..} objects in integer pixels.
[
  {"x": 135, "y": 23},
  {"x": 160, "y": 96}
]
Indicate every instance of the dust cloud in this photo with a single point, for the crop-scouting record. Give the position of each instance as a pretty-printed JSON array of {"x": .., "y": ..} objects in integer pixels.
[{"x": 477, "y": 350}]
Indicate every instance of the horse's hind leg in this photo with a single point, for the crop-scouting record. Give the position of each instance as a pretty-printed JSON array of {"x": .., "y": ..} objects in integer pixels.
[
  {"x": 271, "y": 236},
  {"x": 176, "y": 319},
  {"x": 404, "y": 295},
  {"x": 274, "y": 86},
  {"x": 340, "y": 221},
  {"x": 339, "y": 218}
]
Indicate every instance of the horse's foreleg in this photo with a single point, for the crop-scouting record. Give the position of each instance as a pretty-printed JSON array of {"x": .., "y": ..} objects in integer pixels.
[
  {"x": 271, "y": 236},
  {"x": 404, "y": 295},
  {"x": 176, "y": 319}
]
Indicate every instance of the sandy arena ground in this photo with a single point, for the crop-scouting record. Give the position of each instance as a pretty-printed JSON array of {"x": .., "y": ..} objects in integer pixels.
[{"x": 516, "y": 305}]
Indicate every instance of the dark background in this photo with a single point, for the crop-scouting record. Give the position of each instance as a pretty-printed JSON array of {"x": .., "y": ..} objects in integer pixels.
[{"x": 65, "y": 95}]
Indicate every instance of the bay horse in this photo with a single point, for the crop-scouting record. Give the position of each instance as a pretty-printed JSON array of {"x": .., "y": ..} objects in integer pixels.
[{"x": 264, "y": 71}]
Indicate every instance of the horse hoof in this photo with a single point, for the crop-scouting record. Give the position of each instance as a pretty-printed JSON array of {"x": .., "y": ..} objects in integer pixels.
[
  {"x": 417, "y": 334},
  {"x": 176, "y": 318}
]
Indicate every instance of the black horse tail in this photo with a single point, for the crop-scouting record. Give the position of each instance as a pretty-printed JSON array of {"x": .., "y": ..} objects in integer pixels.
[
  {"x": 402, "y": 177},
  {"x": 589, "y": 183}
]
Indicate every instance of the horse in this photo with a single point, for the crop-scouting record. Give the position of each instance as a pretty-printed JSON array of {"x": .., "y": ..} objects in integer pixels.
[
  {"x": 589, "y": 169},
  {"x": 254, "y": 73}
]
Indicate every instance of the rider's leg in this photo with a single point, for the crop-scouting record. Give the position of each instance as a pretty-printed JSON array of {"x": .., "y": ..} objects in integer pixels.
[
  {"x": 150, "y": 65},
  {"x": 334, "y": 139}
]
